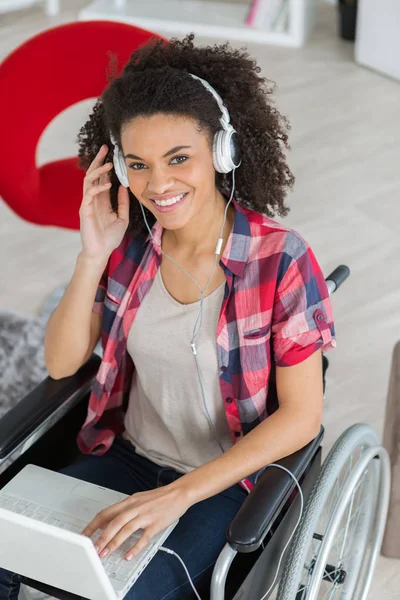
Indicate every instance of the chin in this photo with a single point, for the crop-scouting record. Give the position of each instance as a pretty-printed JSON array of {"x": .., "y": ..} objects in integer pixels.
[{"x": 172, "y": 224}]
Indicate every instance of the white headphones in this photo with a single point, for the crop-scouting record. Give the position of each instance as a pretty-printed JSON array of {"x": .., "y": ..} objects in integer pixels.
[{"x": 226, "y": 155}]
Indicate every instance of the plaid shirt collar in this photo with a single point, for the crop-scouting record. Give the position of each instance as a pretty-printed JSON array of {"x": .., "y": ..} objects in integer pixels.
[{"x": 236, "y": 253}]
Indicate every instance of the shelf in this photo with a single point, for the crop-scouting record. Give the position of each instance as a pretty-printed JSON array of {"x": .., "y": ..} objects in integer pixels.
[
  {"x": 203, "y": 17},
  {"x": 10, "y": 5},
  {"x": 51, "y": 7}
]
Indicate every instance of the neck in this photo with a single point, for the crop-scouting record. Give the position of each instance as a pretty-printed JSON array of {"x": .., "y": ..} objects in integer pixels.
[{"x": 202, "y": 233}]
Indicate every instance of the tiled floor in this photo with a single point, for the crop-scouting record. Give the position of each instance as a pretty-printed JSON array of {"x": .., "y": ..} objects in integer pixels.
[{"x": 345, "y": 132}]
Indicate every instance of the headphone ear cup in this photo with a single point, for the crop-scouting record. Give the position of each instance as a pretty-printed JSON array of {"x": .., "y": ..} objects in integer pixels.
[
  {"x": 225, "y": 151},
  {"x": 215, "y": 153},
  {"x": 220, "y": 163},
  {"x": 120, "y": 167}
]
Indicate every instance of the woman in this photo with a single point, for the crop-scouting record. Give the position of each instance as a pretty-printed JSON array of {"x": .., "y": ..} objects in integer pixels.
[{"x": 192, "y": 334}]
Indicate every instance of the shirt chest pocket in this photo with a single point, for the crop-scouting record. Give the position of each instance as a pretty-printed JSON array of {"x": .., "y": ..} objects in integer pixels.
[
  {"x": 111, "y": 306},
  {"x": 255, "y": 354},
  {"x": 111, "y": 302},
  {"x": 256, "y": 335}
]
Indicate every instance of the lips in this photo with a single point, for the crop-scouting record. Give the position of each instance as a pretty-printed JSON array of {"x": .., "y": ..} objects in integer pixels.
[{"x": 164, "y": 209}]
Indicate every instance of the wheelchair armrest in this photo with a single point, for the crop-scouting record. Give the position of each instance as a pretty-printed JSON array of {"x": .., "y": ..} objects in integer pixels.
[
  {"x": 28, "y": 420},
  {"x": 265, "y": 502}
]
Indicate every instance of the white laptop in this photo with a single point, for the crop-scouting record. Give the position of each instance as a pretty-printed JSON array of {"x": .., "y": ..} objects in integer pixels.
[{"x": 41, "y": 516}]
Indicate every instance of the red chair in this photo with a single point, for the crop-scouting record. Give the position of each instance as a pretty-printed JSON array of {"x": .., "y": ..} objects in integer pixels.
[{"x": 47, "y": 74}]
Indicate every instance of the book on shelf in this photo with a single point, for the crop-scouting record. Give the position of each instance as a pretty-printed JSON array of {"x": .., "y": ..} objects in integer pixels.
[{"x": 268, "y": 15}]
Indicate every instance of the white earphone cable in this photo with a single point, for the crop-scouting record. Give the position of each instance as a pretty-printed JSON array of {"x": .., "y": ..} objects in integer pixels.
[
  {"x": 199, "y": 319},
  {"x": 168, "y": 551},
  {"x": 193, "y": 346}
]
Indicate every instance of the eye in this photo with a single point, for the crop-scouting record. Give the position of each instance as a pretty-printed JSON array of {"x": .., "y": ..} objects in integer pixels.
[
  {"x": 140, "y": 166},
  {"x": 136, "y": 166},
  {"x": 181, "y": 159}
]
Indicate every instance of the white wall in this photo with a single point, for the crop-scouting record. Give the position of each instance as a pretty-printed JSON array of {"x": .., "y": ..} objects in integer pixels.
[{"x": 377, "y": 39}]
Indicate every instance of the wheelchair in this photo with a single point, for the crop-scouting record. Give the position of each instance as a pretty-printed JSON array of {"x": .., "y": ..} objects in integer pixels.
[{"x": 333, "y": 551}]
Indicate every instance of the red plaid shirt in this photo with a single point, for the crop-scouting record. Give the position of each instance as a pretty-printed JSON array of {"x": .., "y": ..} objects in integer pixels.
[{"x": 276, "y": 308}]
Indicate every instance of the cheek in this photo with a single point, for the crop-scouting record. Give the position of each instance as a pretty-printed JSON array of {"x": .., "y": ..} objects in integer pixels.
[
  {"x": 200, "y": 177},
  {"x": 137, "y": 182}
]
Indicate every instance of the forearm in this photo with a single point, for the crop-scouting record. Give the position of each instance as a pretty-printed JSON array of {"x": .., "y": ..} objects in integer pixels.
[
  {"x": 67, "y": 334},
  {"x": 278, "y": 436}
]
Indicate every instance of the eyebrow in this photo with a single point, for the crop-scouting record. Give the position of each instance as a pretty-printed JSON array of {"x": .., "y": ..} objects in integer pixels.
[{"x": 172, "y": 151}]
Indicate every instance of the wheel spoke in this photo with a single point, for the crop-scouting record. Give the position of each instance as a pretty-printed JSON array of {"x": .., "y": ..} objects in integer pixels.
[
  {"x": 354, "y": 521},
  {"x": 343, "y": 534},
  {"x": 339, "y": 557},
  {"x": 328, "y": 595},
  {"x": 343, "y": 479},
  {"x": 346, "y": 531},
  {"x": 355, "y": 515}
]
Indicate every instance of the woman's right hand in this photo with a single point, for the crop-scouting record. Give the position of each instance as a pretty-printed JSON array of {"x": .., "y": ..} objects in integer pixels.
[{"x": 101, "y": 228}]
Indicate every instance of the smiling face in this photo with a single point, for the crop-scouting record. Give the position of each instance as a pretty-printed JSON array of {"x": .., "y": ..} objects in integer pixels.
[{"x": 170, "y": 167}]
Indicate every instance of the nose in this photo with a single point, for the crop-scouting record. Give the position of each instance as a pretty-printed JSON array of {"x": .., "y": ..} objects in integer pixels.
[{"x": 160, "y": 181}]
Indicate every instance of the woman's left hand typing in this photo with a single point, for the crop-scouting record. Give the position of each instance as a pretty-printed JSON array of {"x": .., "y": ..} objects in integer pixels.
[{"x": 151, "y": 511}]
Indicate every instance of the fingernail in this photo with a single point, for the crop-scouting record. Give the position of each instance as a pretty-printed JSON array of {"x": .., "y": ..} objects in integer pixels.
[
  {"x": 129, "y": 556},
  {"x": 104, "y": 553},
  {"x": 96, "y": 547}
]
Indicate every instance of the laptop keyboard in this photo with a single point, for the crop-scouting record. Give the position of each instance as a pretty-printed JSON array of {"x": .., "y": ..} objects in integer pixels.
[{"x": 115, "y": 565}]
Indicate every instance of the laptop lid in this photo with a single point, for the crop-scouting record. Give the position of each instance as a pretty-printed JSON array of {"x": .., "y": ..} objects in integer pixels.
[
  {"x": 52, "y": 555},
  {"x": 46, "y": 553}
]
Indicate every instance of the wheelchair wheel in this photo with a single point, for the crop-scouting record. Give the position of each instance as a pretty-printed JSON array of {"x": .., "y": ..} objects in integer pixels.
[{"x": 334, "y": 550}]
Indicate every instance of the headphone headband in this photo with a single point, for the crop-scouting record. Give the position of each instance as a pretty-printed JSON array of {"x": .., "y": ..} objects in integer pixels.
[{"x": 225, "y": 120}]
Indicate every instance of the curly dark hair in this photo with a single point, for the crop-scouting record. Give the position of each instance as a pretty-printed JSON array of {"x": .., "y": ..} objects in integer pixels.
[{"x": 155, "y": 81}]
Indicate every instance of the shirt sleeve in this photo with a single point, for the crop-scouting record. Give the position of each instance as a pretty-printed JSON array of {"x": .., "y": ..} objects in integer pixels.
[
  {"x": 302, "y": 321},
  {"x": 98, "y": 304}
]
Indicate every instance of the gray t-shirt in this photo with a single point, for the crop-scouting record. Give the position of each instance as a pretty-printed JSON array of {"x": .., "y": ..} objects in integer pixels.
[{"x": 166, "y": 419}]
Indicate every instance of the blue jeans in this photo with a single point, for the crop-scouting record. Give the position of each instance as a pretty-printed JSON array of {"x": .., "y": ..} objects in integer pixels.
[{"x": 198, "y": 538}]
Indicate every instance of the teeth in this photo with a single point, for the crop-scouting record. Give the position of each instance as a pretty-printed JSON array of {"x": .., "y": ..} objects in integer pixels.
[{"x": 170, "y": 201}]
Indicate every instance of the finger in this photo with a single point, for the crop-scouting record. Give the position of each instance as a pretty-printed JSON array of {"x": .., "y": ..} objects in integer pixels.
[
  {"x": 88, "y": 198},
  {"x": 100, "y": 175},
  {"x": 141, "y": 544},
  {"x": 98, "y": 159},
  {"x": 104, "y": 178},
  {"x": 93, "y": 191},
  {"x": 118, "y": 538},
  {"x": 123, "y": 203},
  {"x": 96, "y": 173},
  {"x": 103, "y": 518},
  {"x": 99, "y": 522},
  {"x": 116, "y": 532}
]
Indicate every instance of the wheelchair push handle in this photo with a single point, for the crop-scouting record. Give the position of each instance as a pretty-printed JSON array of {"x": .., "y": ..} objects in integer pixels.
[{"x": 337, "y": 277}]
